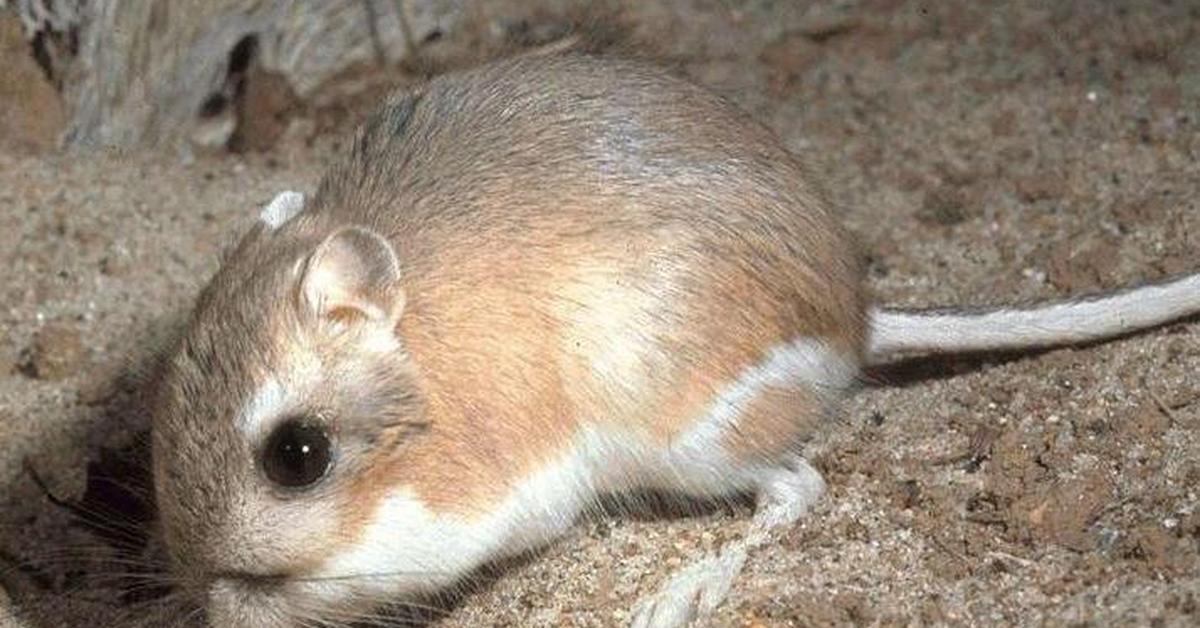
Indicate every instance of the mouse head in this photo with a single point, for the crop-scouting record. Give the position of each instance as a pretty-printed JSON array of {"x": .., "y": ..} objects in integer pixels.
[{"x": 287, "y": 384}]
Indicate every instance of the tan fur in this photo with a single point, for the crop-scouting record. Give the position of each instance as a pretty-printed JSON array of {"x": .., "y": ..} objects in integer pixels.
[
  {"x": 579, "y": 242},
  {"x": 493, "y": 320},
  {"x": 774, "y": 422}
]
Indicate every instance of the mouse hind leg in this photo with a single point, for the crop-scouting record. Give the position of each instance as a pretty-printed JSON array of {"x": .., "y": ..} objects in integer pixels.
[
  {"x": 701, "y": 586},
  {"x": 757, "y": 424}
]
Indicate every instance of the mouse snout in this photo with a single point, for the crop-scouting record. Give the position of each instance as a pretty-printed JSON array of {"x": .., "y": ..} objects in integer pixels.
[
  {"x": 238, "y": 599},
  {"x": 252, "y": 567},
  {"x": 226, "y": 553}
]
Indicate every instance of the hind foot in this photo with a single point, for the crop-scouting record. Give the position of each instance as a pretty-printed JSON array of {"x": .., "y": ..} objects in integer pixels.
[{"x": 699, "y": 588}]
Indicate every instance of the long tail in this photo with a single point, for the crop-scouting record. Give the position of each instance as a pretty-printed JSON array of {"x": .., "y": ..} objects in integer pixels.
[{"x": 896, "y": 334}]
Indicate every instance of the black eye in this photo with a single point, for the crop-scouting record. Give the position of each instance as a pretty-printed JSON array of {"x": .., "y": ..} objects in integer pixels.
[{"x": 297, "y": 454}]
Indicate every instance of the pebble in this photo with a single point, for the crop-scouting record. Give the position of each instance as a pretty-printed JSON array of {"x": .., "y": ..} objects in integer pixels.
[
  {"x": 57, "y": 352},
  {"x": 117, "y": 262},
  {"x": 1040, "y": 187}
]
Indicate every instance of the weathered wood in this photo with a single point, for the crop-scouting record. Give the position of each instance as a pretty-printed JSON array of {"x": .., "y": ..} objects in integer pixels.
[
  {"x": 159, "y": 71},
  {"x": 31, "y": 112}
]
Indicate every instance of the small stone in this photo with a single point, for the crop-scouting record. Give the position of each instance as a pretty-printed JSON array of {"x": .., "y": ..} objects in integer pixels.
[
  {"x": 57, "y": 352},
  {"x": 98, "y": 387},
  {"x": 1082, "y": 264},
  {"x": 263, "y": 111},
  {"x": 906, "y": 494},
  {"x": 788, "y": 59},
  {"x": 298, "y": 135},
  {"x": 117, "y": 262},
  {"x": 1039, "y": 187},
  {"x": 944, "y": 206},
  {"x": 1004, "y": 124}
]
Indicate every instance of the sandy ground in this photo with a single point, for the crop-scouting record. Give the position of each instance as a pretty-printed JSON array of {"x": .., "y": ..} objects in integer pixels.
[{"x": 980, "y": 155}]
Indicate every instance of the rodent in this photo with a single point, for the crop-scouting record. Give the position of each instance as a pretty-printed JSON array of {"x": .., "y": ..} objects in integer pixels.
[{"x": 524, "y": 286}]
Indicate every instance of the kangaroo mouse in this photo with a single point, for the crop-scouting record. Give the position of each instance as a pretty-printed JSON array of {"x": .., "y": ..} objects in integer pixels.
[{"x": 524, "y": 287}]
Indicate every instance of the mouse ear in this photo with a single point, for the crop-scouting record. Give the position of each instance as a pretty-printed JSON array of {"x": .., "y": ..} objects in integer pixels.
[
  {"x": 353, "y": 277},
  {"x": 281, "y": 209}
]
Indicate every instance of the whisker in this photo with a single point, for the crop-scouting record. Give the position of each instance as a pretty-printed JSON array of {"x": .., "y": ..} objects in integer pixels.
[
  {"x": 69, "y": 506},
  {"x": 69, "y": 558},
  {"x": 370, "y": 575},
  {"x": 379, "y": 618},
  {"x": 119, "y": 524},
  {"x": 98, "y": 572},
  {"x": 187, "y": 619},
  {"x": 377, "y": 605},
  {"x": 128, "y": 533}
]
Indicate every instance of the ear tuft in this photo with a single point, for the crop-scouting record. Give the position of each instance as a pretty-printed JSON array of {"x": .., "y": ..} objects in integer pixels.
[
  {"x": 282, "y": 209},
  {"x": 354, "y": 276}
]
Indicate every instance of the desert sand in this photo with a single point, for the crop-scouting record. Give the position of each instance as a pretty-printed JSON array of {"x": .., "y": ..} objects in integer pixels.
[{"x": 980, "y": 155}]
